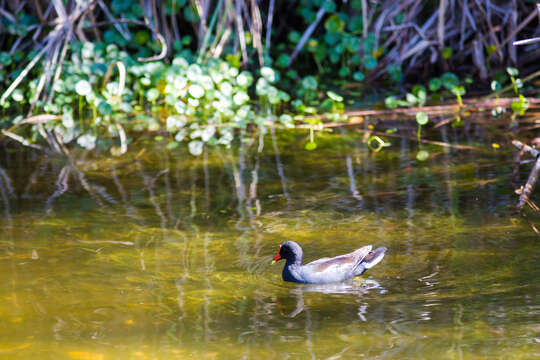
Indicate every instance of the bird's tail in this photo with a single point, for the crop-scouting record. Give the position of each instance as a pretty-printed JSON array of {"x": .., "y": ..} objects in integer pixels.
[{"x": 373, "y": 257}]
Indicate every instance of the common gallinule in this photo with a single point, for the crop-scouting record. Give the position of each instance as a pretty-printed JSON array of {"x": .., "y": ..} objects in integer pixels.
[{"x": 326, "y": 270}]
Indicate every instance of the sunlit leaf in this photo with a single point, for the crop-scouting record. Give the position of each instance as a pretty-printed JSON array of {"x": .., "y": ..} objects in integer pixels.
[
  {"x": 207, "y": 133},
  {"x": 310, "y": 145},
  {"x": 422, "y": 118},
  {"x": 195, "y": 147},
  {"x": 269, "y": 74},
  {"x": 87, "y": 141},
  {"x": 196, "y": 91},
  {"x": 83, "y": 87},
  {"x": 336, "y": 97},
  {"x": 286, "y": 120},
  {"x": 391, "y": 102},
  {"x": 512, "y": 71},
  {"x": 175, "y": 122},
  {"x": 422, "y": 155}
]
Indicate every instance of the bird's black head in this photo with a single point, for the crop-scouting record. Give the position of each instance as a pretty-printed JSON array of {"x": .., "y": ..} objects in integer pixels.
[{"x": 289, "y": 251}]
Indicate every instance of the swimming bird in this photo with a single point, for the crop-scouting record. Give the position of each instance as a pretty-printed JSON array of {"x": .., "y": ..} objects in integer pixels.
[{"x": 326, "y": 270}]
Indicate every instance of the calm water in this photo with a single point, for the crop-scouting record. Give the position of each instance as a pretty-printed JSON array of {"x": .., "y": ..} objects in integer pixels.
[{"x": 160, "y": 255}]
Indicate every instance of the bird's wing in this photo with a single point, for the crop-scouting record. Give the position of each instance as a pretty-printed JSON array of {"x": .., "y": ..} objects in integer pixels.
[{"x": 343, "y": 262}]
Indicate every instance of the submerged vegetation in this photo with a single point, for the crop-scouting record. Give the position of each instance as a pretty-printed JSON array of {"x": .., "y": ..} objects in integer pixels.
[{"x": 94, "y": 73}]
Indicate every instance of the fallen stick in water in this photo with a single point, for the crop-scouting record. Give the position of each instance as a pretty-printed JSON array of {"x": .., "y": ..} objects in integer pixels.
[
  {"x": 525, "y": 192},
  {"x": 445, "y": 109}
]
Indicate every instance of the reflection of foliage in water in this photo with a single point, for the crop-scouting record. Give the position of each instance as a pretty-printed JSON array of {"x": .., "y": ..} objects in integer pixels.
[{"x": 160, "y": 254}]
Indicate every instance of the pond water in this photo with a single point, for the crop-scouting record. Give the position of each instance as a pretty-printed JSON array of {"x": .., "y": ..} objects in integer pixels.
[{"x": 160, "y": 255}]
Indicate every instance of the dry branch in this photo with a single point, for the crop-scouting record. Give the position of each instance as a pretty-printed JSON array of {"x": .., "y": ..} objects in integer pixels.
[{"x": 526, "y": 191}]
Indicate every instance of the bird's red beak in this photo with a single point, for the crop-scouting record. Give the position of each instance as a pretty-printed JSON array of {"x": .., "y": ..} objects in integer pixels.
[{"x": 277, "y": 257}]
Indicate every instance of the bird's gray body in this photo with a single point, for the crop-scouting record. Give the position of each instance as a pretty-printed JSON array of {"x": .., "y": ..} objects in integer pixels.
[{"x": 328, "y": 270}]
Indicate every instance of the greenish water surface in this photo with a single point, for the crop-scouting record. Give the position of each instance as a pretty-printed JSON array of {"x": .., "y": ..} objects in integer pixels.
[{"x": 160, "y": 255}]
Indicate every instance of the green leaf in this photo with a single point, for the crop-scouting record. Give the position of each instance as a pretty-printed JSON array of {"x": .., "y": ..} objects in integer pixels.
[
  {"x": 422, "y": 118},
  {"x": 449, "y": 80},
  {"x": 294, "y": 37},
  {"x": 332, "y": 38},
  {"x": 368, "y": 44},
  {"x": 351, "y": 43},
  {"x": 491, "y": 49},
  {"x": 359, "y": 76},
  {"x": 196, "y": 91},
  {"x": 344, "y": 71},
  {"x": 357, "y": 5},
  {"x": 327, "y": 105},
  {"x": 309, "y": 83},
  {"x": 355, "y": 25},
  {"x": 411, "y": 99},
  {"x": 422, "y": 155},
  {"x": 175, "y": 122},
  {"x": 395, "y": 73},
  {"x": 287, "y": 121},
  {"x": 142, "y": 37},
  {"x": 195, "y": 147},
  {"x": 334, "y": 24},
  {"x": 447, "y": 53},
  {"x": 512, "y": 71},
  {"x": 104, "y": 108},
  {"x": 391, "y": 102},
  {"x": 332, "y": 95},
  {"x": 17, "y": 95},
  {"x": 240, "y": 98},
  {"x": 269, "y": 74},
  {"x": 370, "y": 62},
  {"x": 329, "y": 6},
  {"x": 311, "y": 145},
  {"x": 83, "y": 87},
  {"x": 435, "y": 84},
  {"x": 152, "y": 94},
  {"x": 87, "y": 141},
  {"x": 520, "y": 106},
  {"x": 283, "y": 60},
  {"x": 458, "y": 90},
  {"x": 5, "y": 59}
]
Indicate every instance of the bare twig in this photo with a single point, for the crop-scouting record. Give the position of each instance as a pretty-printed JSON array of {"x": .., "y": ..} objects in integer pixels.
[
  {"x": 533, "y": 176},
  {"x": 21, "y": 140},
  {"x": 306, "y": 35},
  {"x": 269, "y": 25}
]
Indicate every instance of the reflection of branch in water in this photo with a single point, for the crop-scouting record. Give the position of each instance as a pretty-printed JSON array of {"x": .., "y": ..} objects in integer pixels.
[
  {"x": 61, "y": 187},
  {"x": 255, "y": 178},
  {"x": 86, "y": 185},
  {"x": 7, "y": 182},
  {"x": 208, "y": 333},
  {"x": 279, "y": 164},
  {"x": 168, "y": 188},
  {"x": 206, "y": 180},
  {"x": 193, "y": 199},
  {"x": 130, "y": 209},
  {"x": 309, "y": 334},
  {"x": 5, "y": 191},
  {"x": 180, "y": 284},
  {"x": 352, "y": 181},
  {"x": 39, "y": 171},
  {"x": 300, "y": 306},
  {"x": 362, "y": 310},
  {"x": 458, "y": 332},
  {"x": 149, "y": 185},
  {"x": 239, "y": 186}
]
